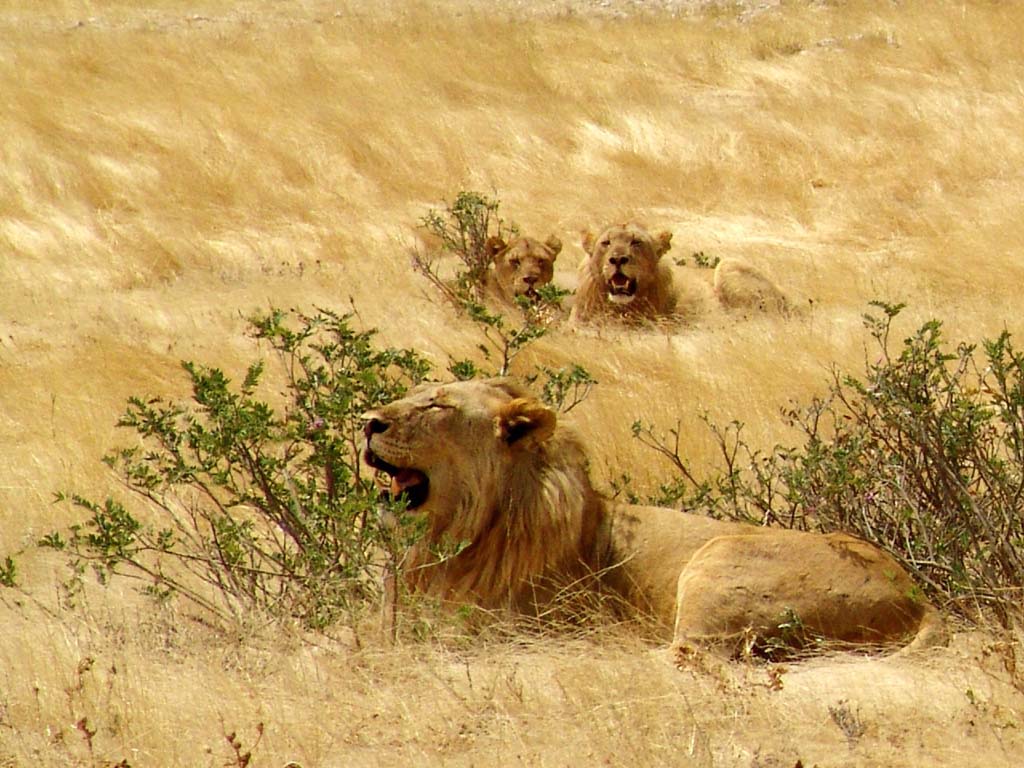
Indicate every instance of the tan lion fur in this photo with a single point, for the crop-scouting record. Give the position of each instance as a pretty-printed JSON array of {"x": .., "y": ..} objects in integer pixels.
[
  {"x": 741, "y": 286},
  {"x": 510, "y": 485},
  {"x": 630, "y": 253},
  {"x": 520, "y": 266}
]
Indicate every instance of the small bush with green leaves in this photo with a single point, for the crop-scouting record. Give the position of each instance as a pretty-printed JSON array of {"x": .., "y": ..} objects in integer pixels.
[
  {"x": 8, "y": 573},
  {"x": 240, "y": 504},
  {"x": 462, "y": 230},
  {"x": 701, "y": 260},
  {"x": 922, "y": 455}
]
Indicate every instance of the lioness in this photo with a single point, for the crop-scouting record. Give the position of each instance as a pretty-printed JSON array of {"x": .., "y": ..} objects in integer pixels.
[
  {"x": 520, "y": 266},
  {"x": 623, "y": 276},
  {"x": 488, "y": 466}
]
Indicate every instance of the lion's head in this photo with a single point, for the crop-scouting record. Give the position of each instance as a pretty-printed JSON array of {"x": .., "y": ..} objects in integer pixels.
[
  {"x": 623, "y": 275},
  {"x": 522, "y": 265},
  {"x": 625, "y": 260},
  {"x": 484, "y": 465}
]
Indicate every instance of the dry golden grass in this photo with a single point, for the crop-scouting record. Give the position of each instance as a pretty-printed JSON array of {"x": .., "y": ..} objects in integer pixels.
[{"x": 168, "y": 170}]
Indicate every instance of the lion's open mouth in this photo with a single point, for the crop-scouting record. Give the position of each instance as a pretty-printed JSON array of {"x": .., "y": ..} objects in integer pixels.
[
  {"x": 399, "y": 482},
  {"x": 527, "y": 290},
  {"x": 621, "y": 288}
]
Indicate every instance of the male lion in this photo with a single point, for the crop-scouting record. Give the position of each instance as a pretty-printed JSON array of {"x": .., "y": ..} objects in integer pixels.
[
  {"x": 520, "y": 266},
  {"x": 488, "y": 467},
  {"x": 624, "y": 278},
  {"x": 740, "y": 286}
]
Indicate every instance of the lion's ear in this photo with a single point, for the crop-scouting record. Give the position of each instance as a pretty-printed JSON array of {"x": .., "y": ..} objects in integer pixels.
[
  {"x": 662, "y": 242},
  {"x": 524, "y": 418},
  {"x": 494, "y": 245},
  {"x": 587, "y": 241},
  {"x": 554, "y": 245}
]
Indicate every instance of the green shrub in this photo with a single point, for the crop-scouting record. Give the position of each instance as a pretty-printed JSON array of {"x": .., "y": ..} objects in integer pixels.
[
  {"x": 462, "y": 230},
  {"x": 8, "y": 573},
  {"x": 241, "y": 505},
  {"x": 922, "y": 455},
  {"x": 701, "y": 260}
]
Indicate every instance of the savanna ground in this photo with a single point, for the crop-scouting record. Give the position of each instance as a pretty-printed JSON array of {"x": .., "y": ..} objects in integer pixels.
[{"x": 172, "y": 168}]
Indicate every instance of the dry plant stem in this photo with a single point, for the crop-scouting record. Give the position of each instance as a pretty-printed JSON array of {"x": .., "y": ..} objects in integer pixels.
[{"x": 670, "y": 452}]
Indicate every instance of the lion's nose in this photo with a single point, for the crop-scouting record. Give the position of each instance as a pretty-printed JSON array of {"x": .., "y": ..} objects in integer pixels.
[
  {"x": 530, "y": 279},
  {"x": 374, "y": 426},
  {"x": 618, "y": 261}
]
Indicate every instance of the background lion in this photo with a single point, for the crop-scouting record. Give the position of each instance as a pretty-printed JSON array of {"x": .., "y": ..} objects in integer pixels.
[
  {"x": 623, "y": 276},
  {"x": 521, "y": 266},
  {"x": 741, "y": 286},
  {"x": 489, "y": 467}
]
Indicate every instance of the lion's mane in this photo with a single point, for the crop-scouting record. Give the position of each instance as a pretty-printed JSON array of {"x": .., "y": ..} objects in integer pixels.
[{"x": 522, "y": 517}]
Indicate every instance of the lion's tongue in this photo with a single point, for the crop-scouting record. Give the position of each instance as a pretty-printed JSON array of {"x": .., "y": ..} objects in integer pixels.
[{"x": 405, "y": 478}]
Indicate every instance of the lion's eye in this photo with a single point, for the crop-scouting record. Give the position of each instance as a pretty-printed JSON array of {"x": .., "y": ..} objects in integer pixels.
[
  {"x": 514, "y": 263},
  {"x": 605, "y": 243},
  {"x": 634, "y": 243}
]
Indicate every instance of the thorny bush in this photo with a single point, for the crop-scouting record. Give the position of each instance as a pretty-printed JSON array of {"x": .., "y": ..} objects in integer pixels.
[
  {"x": 242, "y": 505},
  {"x": 462, "y": 231}
]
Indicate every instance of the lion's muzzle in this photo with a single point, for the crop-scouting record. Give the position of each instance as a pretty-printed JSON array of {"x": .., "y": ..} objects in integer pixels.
[
  {"x": 394, "y": 481},
  {"x": 528, "y": 287},
  {"x": 621, "y": 288}
]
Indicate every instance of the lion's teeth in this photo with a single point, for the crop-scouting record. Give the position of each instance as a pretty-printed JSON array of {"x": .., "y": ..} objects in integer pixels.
[{"x": 404, "y": 479}]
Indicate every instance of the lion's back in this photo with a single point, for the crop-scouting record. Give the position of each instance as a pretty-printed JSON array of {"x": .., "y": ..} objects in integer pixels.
[{"x": 739, "y": 285}]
